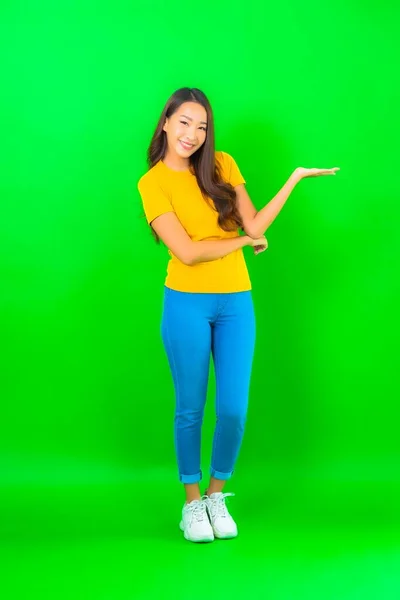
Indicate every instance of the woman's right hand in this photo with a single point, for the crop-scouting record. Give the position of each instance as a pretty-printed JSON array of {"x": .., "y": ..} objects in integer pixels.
[{"x": 259, "y": 244}]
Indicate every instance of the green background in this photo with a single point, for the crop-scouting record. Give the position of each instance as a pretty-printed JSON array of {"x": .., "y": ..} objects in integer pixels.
[{"x": 89, "y": 492}]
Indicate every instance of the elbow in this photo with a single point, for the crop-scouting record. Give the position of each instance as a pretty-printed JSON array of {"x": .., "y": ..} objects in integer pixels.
[
  {"x": 254, "y": 231},
  {"x": 189, "y": 262},
  {"x": 251, "y": 231},
  {"x": 188, "y": 259}
]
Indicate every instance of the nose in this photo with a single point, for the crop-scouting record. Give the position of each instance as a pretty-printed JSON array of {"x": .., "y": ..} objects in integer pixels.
[{"x": 192, "y": 135}]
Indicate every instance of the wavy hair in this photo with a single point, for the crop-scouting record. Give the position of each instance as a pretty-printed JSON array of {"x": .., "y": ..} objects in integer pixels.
[{"x": 202, "y": 163}]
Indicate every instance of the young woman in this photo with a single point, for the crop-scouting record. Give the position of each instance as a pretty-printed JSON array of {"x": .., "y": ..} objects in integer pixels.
[{"x": 196, "y": 202}]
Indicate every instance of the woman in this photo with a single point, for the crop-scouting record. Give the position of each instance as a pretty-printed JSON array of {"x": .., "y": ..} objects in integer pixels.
[{"x": 195, "y": 201}]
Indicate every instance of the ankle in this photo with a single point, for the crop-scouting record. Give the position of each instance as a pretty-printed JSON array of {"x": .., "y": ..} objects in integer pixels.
[
  {"x": 210, "y": 491},
  {"x": 192, "y": 492},
  {"x": 189, "y": 500}
]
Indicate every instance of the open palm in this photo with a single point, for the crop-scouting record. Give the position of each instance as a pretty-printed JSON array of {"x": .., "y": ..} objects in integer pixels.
[{"x": 302, "y": 172}]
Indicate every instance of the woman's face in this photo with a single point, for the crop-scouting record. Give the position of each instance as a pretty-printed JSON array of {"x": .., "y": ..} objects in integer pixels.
[{"x": 186, "y": 129}]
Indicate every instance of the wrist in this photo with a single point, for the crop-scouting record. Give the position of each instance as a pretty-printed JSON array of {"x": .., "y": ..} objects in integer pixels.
[
  {"x": 246, "y": 240},
  {"x": 295, "y": 177}
]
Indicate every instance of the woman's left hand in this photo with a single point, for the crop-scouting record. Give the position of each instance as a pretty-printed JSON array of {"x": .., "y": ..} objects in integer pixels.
[
  {"x": 259, "y": 249},
  {"x": 302, "y": 173}
]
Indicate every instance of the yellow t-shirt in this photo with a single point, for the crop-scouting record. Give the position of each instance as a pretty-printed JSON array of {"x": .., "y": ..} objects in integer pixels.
[{"x": 164, "y": 190}]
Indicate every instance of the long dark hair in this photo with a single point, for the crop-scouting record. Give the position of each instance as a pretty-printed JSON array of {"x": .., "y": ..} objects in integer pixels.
[{"x": 202, "y": 162}]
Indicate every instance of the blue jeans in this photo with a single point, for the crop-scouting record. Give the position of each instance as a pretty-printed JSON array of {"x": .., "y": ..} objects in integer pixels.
[{"x": 194, "y": 326}]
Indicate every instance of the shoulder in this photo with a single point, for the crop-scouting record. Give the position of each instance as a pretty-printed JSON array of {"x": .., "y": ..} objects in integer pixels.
[
  {"x": 225, "y": 163},
  {"x": 222, "y": 156},
  {"x": 151, "y": 177}
]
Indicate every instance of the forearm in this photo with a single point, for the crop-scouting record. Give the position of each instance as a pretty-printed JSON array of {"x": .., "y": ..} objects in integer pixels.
[
  {"x": 268, "y": 214},
  {"x": 208, "y": 251}
]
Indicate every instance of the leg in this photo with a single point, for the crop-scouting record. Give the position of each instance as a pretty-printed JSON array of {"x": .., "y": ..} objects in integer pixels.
[
  {"x": 186, "y": 335},
  {"x": 233, "y": 342},
  {"x": 215, "y": 485}
]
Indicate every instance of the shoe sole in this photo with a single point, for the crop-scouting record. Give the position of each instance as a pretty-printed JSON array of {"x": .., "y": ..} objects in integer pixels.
[
  {"x": 224, "y": 536},
  {"x": 196, "y": 540},
  {"x": 221, "y": 536}
]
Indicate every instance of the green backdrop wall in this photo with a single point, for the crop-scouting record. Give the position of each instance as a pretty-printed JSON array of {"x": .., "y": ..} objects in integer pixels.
[{"x": 86, "y": 393}]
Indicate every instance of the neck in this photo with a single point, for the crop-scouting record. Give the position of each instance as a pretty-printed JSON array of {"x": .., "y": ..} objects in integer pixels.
[{"x": 177, "y": 163}]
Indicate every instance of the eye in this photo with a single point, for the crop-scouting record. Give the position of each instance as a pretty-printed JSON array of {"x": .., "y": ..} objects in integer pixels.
[{"x": 186, "y": 123}]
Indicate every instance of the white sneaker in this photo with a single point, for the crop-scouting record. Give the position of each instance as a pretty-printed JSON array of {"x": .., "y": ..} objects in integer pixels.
[
  {"x": 223, "y": 525},
  {"x": 195, "y": 523}
]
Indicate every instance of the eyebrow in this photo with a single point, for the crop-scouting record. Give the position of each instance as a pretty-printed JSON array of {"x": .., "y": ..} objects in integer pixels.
[{"x": 190, "y": 119}]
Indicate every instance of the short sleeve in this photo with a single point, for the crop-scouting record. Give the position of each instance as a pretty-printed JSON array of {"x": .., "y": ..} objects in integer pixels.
[
  {"x": 231, "y": 170},
  {"x": 155, "y": 200}
]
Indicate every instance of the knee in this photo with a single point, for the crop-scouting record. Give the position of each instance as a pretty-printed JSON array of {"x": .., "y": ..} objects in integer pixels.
[
  {"x": 189, "y": 416},
  {"x": 232, "y": 420}
]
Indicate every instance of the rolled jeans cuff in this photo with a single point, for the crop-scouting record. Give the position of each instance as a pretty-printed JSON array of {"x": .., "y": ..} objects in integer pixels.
[
  {"x": 220, "y": 475},
  {"x": 190, "y": 478}
]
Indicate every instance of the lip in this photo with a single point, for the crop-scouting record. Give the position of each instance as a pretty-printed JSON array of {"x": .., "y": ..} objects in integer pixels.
[{"x": 186, "y": 147}]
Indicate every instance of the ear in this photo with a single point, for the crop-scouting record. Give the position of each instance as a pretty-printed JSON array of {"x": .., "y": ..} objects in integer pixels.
[{"x": 165, "y": 125}]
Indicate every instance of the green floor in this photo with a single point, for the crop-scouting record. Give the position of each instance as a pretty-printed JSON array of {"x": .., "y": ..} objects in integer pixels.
[{"x": 297, "y": 540}]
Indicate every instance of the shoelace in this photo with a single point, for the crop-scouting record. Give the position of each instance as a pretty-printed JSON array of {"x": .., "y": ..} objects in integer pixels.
[
  {"x": 198, "y": 509},
  {"x": 218, "y": 506}
]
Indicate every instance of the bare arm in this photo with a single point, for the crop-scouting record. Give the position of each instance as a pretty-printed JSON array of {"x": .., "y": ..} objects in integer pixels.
[
  {"x": 207, "y": 251},
  {"x": 256, "y": 223},
  {"x": 270, "y": 211},
  {"x": 173, "y": 234}
]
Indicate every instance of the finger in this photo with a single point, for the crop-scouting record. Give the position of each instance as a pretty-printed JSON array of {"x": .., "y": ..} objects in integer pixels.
[{"x": 325, "y": 171}]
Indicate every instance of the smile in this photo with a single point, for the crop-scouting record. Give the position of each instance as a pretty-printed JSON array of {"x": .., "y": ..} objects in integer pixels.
[{"x": 186, "y": 146}]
